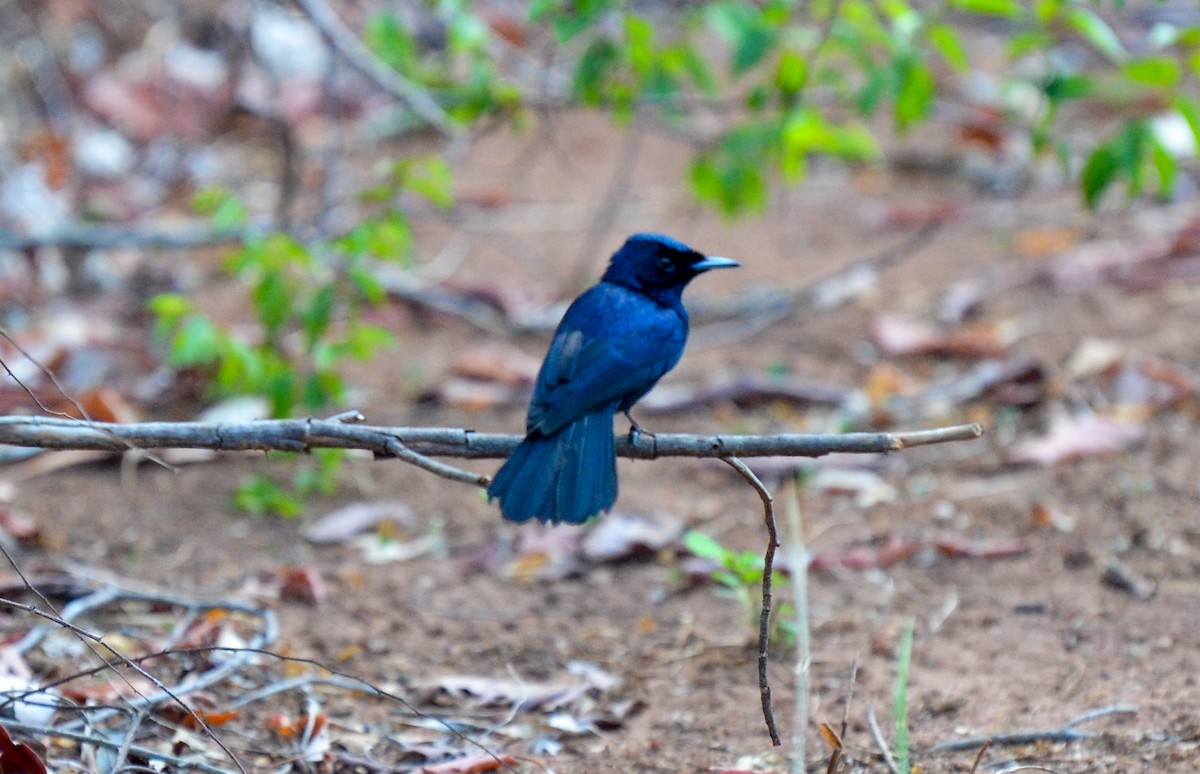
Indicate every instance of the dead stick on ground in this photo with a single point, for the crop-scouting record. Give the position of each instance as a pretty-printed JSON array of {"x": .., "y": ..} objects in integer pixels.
[
  {"x": 764, "y": 616},
  {"x": 1065, "y": 733},
  {"x": 880, "y": 742}
]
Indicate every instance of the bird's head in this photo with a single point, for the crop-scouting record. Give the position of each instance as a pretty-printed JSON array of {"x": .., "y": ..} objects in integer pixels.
[{"x": 652, "y": 263}]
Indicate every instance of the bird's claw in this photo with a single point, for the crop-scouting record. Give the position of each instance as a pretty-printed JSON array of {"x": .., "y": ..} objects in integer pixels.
[{"x": 635, "y": 430}]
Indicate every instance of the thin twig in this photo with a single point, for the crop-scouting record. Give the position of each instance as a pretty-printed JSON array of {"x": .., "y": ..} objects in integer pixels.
[
  {"x": 109, "y": 235},
  {"x": 1064, "y": 733},
  {"x": 764, "y": 616},
  {"x": 880, "y": 742},
  {"x": 347, "y": 45},
  {"x": 91, "y": 640},
  {"x": 183, "y": 764},
  {"x": 983, "y": 748},
  {"x": 83, "y": 412}
]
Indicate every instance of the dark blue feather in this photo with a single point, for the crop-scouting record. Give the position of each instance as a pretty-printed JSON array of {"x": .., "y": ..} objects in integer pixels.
[{"x": 613, "y": 345}]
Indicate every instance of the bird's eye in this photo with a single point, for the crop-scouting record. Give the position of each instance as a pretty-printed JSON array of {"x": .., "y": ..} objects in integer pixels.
[{"x": 665, "y": 263}]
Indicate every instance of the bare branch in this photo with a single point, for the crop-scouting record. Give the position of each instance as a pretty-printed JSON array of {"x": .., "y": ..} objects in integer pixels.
[
  {"x": 356, "y": 54},
  {"x": 110, "y": 235},
  {"x": 303, "y": 435},
  {"x": 764, "y": 616},
  {"x": 415, "y": 445}
]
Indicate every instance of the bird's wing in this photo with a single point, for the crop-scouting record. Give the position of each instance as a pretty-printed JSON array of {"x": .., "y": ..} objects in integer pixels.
[{"x": 608, "y": 348}]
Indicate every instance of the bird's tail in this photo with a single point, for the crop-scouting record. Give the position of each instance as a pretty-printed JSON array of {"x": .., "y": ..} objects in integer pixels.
[{"x": 566, "y": 477}]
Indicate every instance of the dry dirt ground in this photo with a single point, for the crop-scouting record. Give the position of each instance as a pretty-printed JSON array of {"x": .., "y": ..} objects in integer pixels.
[{"x": 1001, "y": 645}]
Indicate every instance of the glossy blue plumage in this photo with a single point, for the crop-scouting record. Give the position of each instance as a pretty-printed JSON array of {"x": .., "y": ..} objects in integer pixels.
[{"x": 613, "y": 345}]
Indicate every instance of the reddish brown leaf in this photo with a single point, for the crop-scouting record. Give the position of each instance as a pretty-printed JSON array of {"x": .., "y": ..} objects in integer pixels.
[
  {"x": 210, "y": 718},
  {"x": 896, "y": 549},
  {"x": 20, "y": 525},
  {"x": 964, "y": 549},
  {"x": 17, "y": 757},
  {"x": 301, "y": 584}
]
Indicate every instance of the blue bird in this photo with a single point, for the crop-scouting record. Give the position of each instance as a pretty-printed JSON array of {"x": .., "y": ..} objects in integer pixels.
[{"x": 613, "y": 345}]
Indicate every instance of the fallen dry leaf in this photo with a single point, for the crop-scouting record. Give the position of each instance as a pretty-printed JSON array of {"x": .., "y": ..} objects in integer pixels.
[
  {"x": 1046, "y": 515},
  {"x": 17, "y": 757},
  {"x": 498, "y": 364},
  {"x": 1073, "y": 438},
  {"x": 744, "y": 390},
  {"x": 475, "y": 395},
  {"x": 899, "y": 336},
  {"x": 19, "y": 525},
  {"x": 352, "y": 519},
  {"x": 621, "y": 536},
  {"x": 474, "y": 763},
  {"x": 506, "y": 692},
  {"x": 895, "y": 549},
  {"x": 966, "y": 549},
  {"x": 301, "y": 584},
  {"x": 1039, "y": 242},
  {"x": 866, "y": 486}
]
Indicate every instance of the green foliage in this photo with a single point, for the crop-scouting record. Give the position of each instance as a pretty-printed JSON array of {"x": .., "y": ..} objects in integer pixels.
[
  {"x": 448, "y": 55},
  {"x": 262, "y": 495},
  {"x": 806, "y": 80},
  {"x": 740, "y": 575},
  {"x": 307, "y": 302}
]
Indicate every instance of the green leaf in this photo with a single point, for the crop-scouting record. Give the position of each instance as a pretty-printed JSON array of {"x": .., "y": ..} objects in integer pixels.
[
  {"x": 317, "y": 316},
  {"x": 947, "y": 43},
  {"x": 916, "y": 92},
  {"x": 1097, "y": 32},
  {"x": 1060, "y": 88},
  {"x": 704, "y": 545},
  {"x": 1011, "y": 9},
  {"x": 388, "y": 237},
  {"x": 593, "y": 71},
  {"x": 242, "y": 369},
  {"x": 273, "y": 302},
  {"x": 363, "y": 341},
  {"x": 260, "y": 496},
  {"x": 467, "y": 32},
  {"x": 168, "y": 309},
  {"x": 197, "y": 342},
  {"x": 1153, "y": 71},
  {"x": 385, "y": 36},
  {"x": 367, "y": 284},
  {"x": 791, "y": 72},
  {"x": 1099, "y": 172},
  {"x": 1167, "y": 167},
  {"x": 1189, "y": 108},
  {"x": 745, "y": 29},
  {"x": 430, "y": 177}
]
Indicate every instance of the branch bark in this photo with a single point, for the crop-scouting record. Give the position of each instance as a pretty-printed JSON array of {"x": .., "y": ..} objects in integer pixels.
[
  {"x": 303, "y": 435},
  {"x": 416, "y": 445}
]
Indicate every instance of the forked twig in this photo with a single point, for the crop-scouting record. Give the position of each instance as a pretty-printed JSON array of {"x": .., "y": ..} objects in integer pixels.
[{"x": 764, "y": 616}]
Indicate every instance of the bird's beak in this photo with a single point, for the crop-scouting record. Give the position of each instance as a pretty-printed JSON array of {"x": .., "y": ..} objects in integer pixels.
[{"x": 714, "y": 262}]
